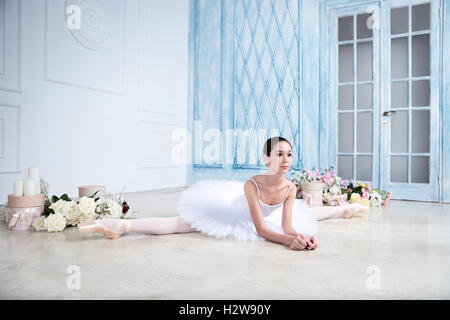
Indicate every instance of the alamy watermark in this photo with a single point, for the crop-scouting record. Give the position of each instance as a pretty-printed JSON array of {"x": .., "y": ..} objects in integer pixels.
[
  {"x": 374, "y": 280},
  {"x": 73, "y": 17},
  {"x": 73, "y": 282},
  {"x": 211, "y": 144}
]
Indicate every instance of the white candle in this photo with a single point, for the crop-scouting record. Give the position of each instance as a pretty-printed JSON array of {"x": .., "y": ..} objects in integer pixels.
[
  {"x": 29, "y": 187},
  {"x": 18, "y": 188},
  {"x": 33, "y": 174}
]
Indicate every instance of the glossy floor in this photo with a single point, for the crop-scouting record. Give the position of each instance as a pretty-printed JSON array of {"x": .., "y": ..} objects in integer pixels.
[{"x": 397, "y": 252}]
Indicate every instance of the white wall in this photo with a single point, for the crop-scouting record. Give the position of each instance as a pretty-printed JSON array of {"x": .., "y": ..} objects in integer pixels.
[{"x": 97, "y": 105}]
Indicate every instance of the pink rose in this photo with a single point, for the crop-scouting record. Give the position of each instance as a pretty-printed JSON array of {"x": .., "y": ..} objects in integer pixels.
[{"x": 366, "y": 195}]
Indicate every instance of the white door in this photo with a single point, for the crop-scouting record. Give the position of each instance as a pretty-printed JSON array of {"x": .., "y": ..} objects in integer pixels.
[{"x": 385, "y": 95}]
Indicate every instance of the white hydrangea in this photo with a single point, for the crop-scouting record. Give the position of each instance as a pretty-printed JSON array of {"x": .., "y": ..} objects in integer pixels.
[
  {"x": 55, "y": 222},
  {"x": 39, "y": 224},
  {"x": 87, "y": 209},
  {"x": 334, "y": 189},
  {"x": 69, "y": 209},
  {"x": 108, "y": 208},
  {"x": 58, "y": 206},
  {"x": 72, "y": 213},
  {"x": 375, "y": 199}
]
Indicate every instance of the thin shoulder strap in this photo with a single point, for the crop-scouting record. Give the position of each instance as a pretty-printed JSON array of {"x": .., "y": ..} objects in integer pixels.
[
  {"x": 257, "y": 188},
  {"x": 287, "y": 194}
]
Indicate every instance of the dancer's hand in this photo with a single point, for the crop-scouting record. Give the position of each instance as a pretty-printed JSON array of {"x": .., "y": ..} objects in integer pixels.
[
  {"x": 312, "y": 242},
  {"x": 298, "y": 243}
]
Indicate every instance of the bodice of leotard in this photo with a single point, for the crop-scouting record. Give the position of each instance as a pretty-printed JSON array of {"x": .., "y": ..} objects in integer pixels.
[{"x": 267, "y": 209}]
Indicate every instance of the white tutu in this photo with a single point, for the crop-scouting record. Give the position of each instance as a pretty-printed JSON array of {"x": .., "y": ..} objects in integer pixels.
[{"x": 220, "y": 209}]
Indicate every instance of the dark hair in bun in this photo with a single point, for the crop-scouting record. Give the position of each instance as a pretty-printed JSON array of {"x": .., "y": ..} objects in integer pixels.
[{"x": 271, "y": 142}]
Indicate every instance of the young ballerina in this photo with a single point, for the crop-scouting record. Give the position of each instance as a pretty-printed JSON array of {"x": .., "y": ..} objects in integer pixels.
[{"x": 263, "y": 208}]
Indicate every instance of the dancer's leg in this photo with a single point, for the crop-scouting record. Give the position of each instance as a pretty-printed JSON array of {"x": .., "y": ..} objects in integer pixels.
[
  {"x": 345, "y": 211},
  {"x": 327, "y": 212},
  {"x": 160, "y": 225},
  {"x": 113, "y": 228}
]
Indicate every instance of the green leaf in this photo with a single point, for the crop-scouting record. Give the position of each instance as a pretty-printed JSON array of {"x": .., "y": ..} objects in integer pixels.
[
  {"x": 94, "y": 194},
  {"x": 48, "y": 212},
  {"x": 65, "y": 197},
  {"x": 54, "y": 199}
]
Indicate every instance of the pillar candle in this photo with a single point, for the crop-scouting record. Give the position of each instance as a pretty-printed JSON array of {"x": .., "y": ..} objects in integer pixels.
[
  {"x": 18, "y": 188},
  {"x": 33, "y": 174},
  {"x": 29, "y": 187}
]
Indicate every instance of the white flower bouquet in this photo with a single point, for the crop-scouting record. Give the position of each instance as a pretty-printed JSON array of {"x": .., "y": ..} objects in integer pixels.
[{"x": 63, "y": 211}]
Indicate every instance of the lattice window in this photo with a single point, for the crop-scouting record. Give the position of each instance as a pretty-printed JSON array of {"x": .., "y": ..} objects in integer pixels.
[{"x": 266, "y": 77}]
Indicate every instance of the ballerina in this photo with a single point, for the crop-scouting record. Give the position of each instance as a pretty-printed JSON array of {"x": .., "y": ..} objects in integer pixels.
[{"x": 263, "y": 208}]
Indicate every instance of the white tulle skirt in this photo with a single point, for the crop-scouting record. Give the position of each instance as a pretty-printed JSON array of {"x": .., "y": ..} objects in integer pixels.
[{"x": 219, "y": 208}]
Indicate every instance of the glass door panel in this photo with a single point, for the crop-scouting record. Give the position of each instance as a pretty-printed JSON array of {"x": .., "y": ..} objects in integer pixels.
[
  {"x": 409, "y": 150},
  {"x": 357, "y": 87}
]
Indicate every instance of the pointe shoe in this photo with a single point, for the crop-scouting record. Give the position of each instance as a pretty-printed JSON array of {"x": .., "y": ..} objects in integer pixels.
[
  {"x": 388, "y": 198},
  {"x": 111, "y": 228},
  {"x": 350, "y": 209}
]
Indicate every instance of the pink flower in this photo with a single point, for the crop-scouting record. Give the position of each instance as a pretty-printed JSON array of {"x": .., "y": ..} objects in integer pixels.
[{"x": 366, "y": 195}]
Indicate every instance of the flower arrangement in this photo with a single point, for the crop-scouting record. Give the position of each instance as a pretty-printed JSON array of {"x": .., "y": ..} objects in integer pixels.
[
  {"x": 362, "y": 193},
  {"x": 62, "y": 211},
  {"x": 338, "y": 192}
]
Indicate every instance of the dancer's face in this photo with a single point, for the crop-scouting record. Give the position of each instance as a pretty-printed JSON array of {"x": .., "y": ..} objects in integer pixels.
[{"x": 280, "y": 159}]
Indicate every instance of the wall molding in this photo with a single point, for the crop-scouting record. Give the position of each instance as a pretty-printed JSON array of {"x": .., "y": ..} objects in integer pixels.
[
  {"x": 3, "y": 31},
  {"x": 48, "y": 78},
  {"x": 18, "y": 87},
  {"x": 17, "y": 146},
  {"x": 2, "y": 133}
]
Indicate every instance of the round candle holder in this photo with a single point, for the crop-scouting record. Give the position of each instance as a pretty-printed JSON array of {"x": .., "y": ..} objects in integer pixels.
[
  {"x": 24, "y": 210},
  {"x": 313, "y": 191},
  {"x": 87, "y": 191}
]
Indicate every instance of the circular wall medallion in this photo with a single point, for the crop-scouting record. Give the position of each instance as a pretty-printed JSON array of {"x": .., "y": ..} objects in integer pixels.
[{"x": 92, "y": 30}]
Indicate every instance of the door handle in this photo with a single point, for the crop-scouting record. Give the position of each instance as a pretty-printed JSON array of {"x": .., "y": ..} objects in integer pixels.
[{"x": 386, "y": 113}]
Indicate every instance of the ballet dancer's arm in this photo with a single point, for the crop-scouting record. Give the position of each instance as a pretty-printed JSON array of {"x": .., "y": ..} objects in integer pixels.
[
  {"x": 286, "y": 220},
  {"x": 251, "y": 194}
]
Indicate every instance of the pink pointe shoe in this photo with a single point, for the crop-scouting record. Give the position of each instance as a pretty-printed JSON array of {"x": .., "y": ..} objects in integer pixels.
[
  {"x": 388, "y": 198},
  {"x": 350, "y": 209},
  {"x": 111, "y": 228}
]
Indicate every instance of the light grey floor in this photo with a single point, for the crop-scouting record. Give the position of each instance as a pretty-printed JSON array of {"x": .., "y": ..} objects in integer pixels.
[{"x": 396, "y": 252}]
